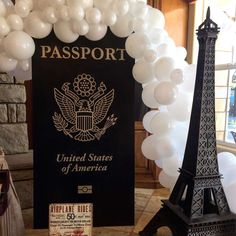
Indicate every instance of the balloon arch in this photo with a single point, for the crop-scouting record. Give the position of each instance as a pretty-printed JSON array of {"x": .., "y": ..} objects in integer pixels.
[{"x": 160, "y": 66}]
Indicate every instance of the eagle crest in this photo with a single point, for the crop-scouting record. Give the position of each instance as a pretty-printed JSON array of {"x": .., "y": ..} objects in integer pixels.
[{"x": 83, "y": 109}]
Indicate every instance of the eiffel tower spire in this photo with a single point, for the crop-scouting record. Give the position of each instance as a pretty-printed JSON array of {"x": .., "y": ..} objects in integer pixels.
[{"x": 198, "y": 205}]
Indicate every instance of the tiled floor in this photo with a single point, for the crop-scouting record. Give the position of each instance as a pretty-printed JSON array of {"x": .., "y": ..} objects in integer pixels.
[{"x": 147, "y": 203}]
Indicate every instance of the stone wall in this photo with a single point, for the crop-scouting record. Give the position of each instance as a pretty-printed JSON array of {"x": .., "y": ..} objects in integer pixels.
[{"x": 13, "y": 127}]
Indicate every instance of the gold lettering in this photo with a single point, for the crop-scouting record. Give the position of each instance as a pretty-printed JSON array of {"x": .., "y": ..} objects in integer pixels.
[
  {"x": 110, "y": 54},
  {"x": 55, "y": 53},
  {"x": 45, "y": 50},
  {"x": 122, "y": 56},
  {"x": 100, "y": 51},
  {"x": 66, "y": 52},
  {"x": 75, "y": 53},
  {"x": 85, "y": 51}
]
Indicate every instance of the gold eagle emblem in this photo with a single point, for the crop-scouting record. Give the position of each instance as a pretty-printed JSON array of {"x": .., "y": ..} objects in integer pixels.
[{"x": 83, "y": 109}]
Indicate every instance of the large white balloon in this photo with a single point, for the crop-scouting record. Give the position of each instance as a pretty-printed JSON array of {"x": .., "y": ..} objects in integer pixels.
[
  {"x": 177, "y": 76},
  {"x": 140, "y": 25},
  {"x": 156, "y": 18},
  {"x": 163, "y": 68},
  {"x": 120, "y": 7},
  {"x": 6, "y": 63},
  {"x": 102, "y": 5},
  {"x": 225, "y": 160},
  {"x": 147, "y": 120},
  {"x": 165, "y": 50},
  {"x": 109, "y": 17},
  {"x": 80, "y": 27},
  {"x": 63, "y": 12},
  {"x": 63, "y": 31},
  {"x": 4, "y": 27},
  {"x": 19, "y": 45},
  {"x": 15, "y": 22},
  {"x": 180, "y": 110},
  {"x": 171, "y": 165},
  {"x": 157, "y": 36},
  {"x": 189, "y": 78},
  {"x": 166, "y": 93},
  {"x": 35, "y": 27},
  {"x": 93, "y": 15},
  {"x": 139, "y": 9},
  {"x": 167, "y": 181},
  {"x": 96, "y": 32},
  {"x": 162, "y": 124},
  {"x": 49, "y": 15},
  {"x": 165, "y": 148},
  {"x": 123, "y": 26},
  {"x": 143, "y": 72},
  {"x": 148, "y": 95},
  {"x": 136, "y": 44},
  {"x": 149, "y": 147},
  {"x": 76, "y": 13},
  {"x": 230, "y": 192}
]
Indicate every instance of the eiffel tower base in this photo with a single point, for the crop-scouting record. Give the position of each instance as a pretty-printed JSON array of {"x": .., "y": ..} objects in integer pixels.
[{"x": 180, "y": 225}]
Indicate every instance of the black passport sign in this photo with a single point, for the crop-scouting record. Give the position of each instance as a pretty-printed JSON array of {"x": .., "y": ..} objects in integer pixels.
[{"x": 83, "y": 105}]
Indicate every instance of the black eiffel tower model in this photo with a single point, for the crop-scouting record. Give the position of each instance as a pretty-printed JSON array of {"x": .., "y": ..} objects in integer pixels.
[{"x": 197, "y": 205}]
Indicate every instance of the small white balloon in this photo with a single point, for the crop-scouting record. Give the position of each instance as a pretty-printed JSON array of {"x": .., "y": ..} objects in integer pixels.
[
  {"x": 85, "y": 4},
  {"x": 103, "y": 5},
  {"x": 157, "y": 36},
  {"x": 63, "y": 31},
  {"x": 109, "y": 17},
  {"x": 19, "y": 45},
  {"x": 166, "y": 93},
  {"x": 120, "y": 7},
  {"x": 147, "y": 120},
  {"x": 93, "y": 15},
  {"x": 22, "y": 8},
  {"x": 165, "y": 147},
  {"x": 189, "y": 78},
  {"x": 4, "y": 27},
  {"x": 56, "y": 3},
  {"x": 165, "y": 50},
  {"x": 63, "y": 13},
  {"x": 49, "y": 15},
  {"x": 35, "y": 27},
  {"x": 172, "y": 165},
  {"x": 3, "y": 9},
  {"x": 162, "y": 124},
  {"x": 140, "y": 25},
  {"x": 24, "y": 65},
  {"x": 136, "y": 44},
  {"x": 143, "y": 72},
  {"x": 181, "y": 53},
  {"x": 6, "y": 63},
  {"x": 123, "y": 26},
  {"x": 150, "y": 55},
  {"x": 80, "y": 27},
  {"x": 156, "y": 18},
  {"x": 139, "y": 9},
  {"x": 177, "y": 76},
  {"x": 15, "y": 22},
  {"x": 148, "y": 95},
  {"x": 96, "y": 32},
  {"x": 76, "y": 13},
  {"x": 163, "y": 68}
]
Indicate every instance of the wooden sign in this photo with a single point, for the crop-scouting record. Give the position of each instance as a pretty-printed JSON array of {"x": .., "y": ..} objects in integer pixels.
[{"x": 83, "y": 98}]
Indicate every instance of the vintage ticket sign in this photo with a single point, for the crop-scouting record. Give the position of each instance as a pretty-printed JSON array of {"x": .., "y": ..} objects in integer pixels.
[{"x": 70, "y": 219}]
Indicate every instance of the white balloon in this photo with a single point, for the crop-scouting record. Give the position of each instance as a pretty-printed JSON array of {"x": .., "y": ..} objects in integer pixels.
[
  {"x": 76, "y": 13},
  {"x": 139, "y": 9},
  {"x": 56, "y": 3},
  {"x": 96, "y": 32},
  {"x": 49, "y": 15},
  {"x": 80, "y": 27},
  {"x": 63, "y": 31},
  {"x": 15, "y": 22},
  {"x": 35, "y": 27},
  {"x": 150, "y": 55},
  {"x": 102, "y": 5},
  {"x": 156, "y": 18},
  {"x": 120, "y": 7},
  {"x": 229, "y": 175},
  {"x": 157, "y": 36},
  {"x": 3, "y": 9},
  {"x": 140, "y": 25},
  {"x": 24, "y": 65},
  {"x": 29, "y": 3},
  {"x": 165, "y": 50},
  {"x": 136, "y": 44},
  {"x": 83, "y": 3},
  {"x": 230, "y": 192},
  {"x": 162, "y": 124},
  {"x": 165, "y": 148},
  {"x": 180, "y": 110},
  {"x": 143, "y": 72},
  {"x": 63, "y": 13},
  {"x": 181, "y": 53},
  {"x": 163, "y": 68},
  {"x": 148, "y": 95},
  {"x": 159, "y": 163},
  {"x": 225, "y": 160},
  {"x": 109, "y": 17},
  {"x": 165, "y": 93},
  {"x": 93, "y": 16},
  {"x": 147, "y": 120},
  {"x": 167, "y": 181},
  {"x": 22, "y": 8},
  {"x": 189, "y": 78},
  {"x": 172, "y": 165},
  {"x": 19, "y": 45},
  {"x": 123, "y": 26},
  {"x": 42, "y": 4},
  {"x": 4, "y": 27},
  {"x": 177, "y": 76},
  {"x": 6, "y": 63},
  {"x": 148, "y": 147}
]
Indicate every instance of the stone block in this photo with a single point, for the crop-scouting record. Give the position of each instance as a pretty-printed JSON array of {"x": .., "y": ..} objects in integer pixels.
[
  {"x": 3, "y": 113},
  {"x": 11, "y": 113},
  {"x": 14, "y": 138},
  {"x": 5, "y": 78},
  {"x": 21, "y": 112},
  {"x": 12, "y": 93}
]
